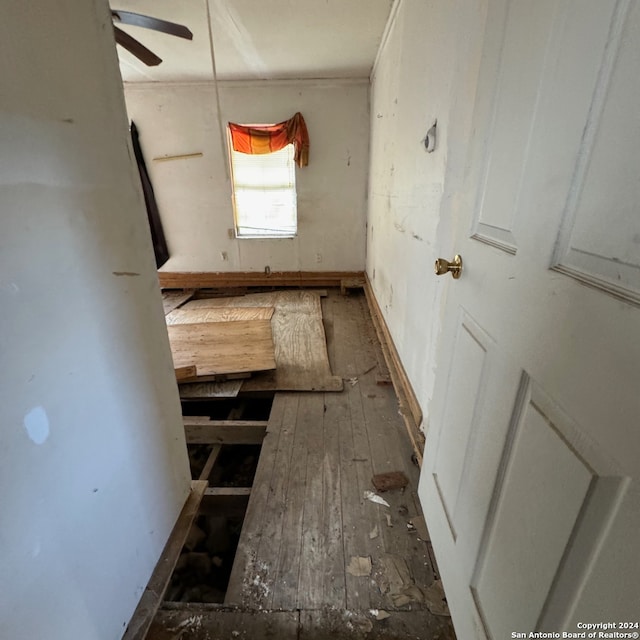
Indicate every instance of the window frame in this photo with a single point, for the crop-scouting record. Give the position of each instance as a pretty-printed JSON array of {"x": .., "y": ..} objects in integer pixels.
[{"x": 236, "y": 226}]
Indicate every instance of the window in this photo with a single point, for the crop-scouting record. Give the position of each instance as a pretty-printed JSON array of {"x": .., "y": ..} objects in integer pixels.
[{"x": 264, "y": 193}]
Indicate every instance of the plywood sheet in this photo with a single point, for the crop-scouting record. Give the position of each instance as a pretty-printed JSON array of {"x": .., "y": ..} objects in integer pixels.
[
  {"x": 223, "y": 347},
  {"x": 298, "y": 333},
  {"x": 219, "y": 314},
  {"x": 173, "y": 299}
]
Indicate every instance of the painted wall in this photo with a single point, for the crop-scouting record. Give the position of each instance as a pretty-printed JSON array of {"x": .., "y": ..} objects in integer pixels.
[
  {"x": 194, "y": 195},
  {"x": 93, "y": 465},
  {"x": 424, "y": 73}
]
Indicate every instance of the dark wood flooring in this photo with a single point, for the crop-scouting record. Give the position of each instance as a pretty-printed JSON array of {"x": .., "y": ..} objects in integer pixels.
[{"x": 308, "y": 518}]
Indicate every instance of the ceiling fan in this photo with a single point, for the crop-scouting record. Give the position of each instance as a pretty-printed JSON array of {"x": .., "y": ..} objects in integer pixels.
[{"x": 148, "y": 22}]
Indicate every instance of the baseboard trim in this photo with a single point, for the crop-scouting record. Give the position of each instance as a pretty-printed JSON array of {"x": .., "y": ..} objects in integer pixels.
[
  {"x": 409, "y": 405},
  {"x": 204, "y": 280}
]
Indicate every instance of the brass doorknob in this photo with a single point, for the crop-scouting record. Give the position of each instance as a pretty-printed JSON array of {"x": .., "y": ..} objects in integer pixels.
[{"x": 444, "y": 266}]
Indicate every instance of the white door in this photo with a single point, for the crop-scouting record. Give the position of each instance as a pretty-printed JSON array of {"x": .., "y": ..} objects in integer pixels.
[{"x": 531, "y": 473}]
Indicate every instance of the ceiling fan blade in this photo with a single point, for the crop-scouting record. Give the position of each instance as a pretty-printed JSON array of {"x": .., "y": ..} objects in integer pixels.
[
  {"x": 136, "y": 48},
  {"x": 139, "y": 20}
]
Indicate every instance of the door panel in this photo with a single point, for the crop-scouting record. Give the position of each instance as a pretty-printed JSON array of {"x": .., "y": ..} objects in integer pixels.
[
  {"x": 464, "y": 393},
  {"x": 601, "y": 212},
  {"x": 511, "y": 129},
  {"x": 530, "y": 480},
  {"x": 543, "y": 484}
]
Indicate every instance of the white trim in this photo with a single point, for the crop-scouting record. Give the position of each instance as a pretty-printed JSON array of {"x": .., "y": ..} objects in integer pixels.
[
  {"x": 385, "y": 36},
  {"x": 282, "y": 82}
]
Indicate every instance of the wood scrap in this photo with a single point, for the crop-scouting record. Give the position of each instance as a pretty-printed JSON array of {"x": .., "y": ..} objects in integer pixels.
[
  {"x": 389, "y": 481},
  {"x": 223, "y": 347},
  {"x": 184, "y": 373}
]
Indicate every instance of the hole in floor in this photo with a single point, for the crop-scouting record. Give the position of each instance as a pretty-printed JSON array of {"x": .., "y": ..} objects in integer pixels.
[
  {"x": 235, "y": 465},
  {"x": 240, "y": 408},
  {"x": 204, "y": 567}
]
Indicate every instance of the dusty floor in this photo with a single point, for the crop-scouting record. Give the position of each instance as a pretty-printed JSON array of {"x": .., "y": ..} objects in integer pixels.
[{"x": 316, "y": 558}]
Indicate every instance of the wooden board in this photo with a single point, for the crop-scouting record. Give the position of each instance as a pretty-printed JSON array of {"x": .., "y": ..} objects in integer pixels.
[
  {"x": 219, "y": 314},
  {"x": 199, "y": 390},
  {"x": 200, "y": 623},
  {"x": 298, "y": 333},
  {"x": 153, "y": 594},
  {"x": 224, "y": 431},
  {"x": 173, "y": 299},
  {"x": 223, "y": 347},
  {"x": 307, "y": 517},
  {"x": 181, "y": 280},
  {"x": 184, "y": 373}
]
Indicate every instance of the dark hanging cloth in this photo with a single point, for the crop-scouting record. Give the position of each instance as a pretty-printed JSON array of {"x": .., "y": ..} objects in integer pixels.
[{"x": 160, "y": 248}]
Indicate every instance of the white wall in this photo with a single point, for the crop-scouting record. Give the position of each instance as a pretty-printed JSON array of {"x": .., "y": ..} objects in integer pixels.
[
  {"x": 93, "y": 466},
  {"x": 194, "y": 195},
  {"x": 424, "y": 73}
]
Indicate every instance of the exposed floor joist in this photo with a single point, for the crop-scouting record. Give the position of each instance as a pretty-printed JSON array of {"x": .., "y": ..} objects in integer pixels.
[
  {"x": 153, "y": 594},
  {"x": 204, "y": 431}
]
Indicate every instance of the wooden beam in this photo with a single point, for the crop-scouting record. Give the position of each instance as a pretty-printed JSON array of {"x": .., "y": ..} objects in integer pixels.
[
  {"x": 224, "y": 431},
  {"x": 211, "y": 460},
  {"x": 203, "y": 280},
  {"x": 228, "y": 491},
  {"x": 154, "y": 593},
  {"x": 409, "y": 405}
]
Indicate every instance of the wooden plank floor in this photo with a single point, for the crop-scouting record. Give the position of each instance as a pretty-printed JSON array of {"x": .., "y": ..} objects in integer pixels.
[{"x": 307, "y": 516}]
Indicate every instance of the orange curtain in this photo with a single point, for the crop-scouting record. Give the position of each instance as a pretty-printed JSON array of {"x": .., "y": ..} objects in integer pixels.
[{"x": 273, "y": 137}]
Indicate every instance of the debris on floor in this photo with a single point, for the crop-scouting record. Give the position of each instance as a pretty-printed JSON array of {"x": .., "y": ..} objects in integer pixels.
[
  {"x": 395, "y": 581},
  {"x": 373, "y": 497},
  {"x": 436, "y": 600},
  {"x": 420, "y": 526},
  {"x": 373, "y": 533},
  {"x": 389, "y": 481},
  {"x": 388, "y": 517},
  {"x": 359, "y": 566},
  {"x": 379, "y": 614},
  {"x": 358, "y": 622}
]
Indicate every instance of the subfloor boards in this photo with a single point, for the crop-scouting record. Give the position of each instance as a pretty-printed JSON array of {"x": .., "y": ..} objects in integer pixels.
[{"x": 308, "y": 518}]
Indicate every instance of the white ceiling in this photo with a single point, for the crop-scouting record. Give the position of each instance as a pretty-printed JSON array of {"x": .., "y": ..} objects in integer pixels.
[{"x": 256, "y": 39}]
